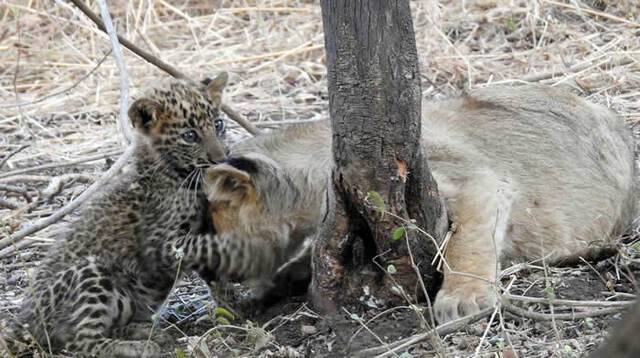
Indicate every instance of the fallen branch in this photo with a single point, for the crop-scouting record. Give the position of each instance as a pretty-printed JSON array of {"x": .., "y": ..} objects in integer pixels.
[
  {"x": 537, "y": 316},
  {"x": 8, "y": 204},
  {"x": 85, "y": 178},
  {"x": 57, "y": 93},
  {"x": 107, "y": 177},
  {"x": 17, "y": 247},
  {"x": 125, "y": 124},
  {"x": 571, "y": 303},
  {"x": 243, "y": 122},
  {"x": 16, "y": 189},
  {"x": 605, "y": 15},
  {"x": 538, "y": 77},
  {"x": 11, "y": 154},
  {"x": 38, "y": 168},
  {"x": 95, "y": 187},
  {"x": 443, "y": 329}
]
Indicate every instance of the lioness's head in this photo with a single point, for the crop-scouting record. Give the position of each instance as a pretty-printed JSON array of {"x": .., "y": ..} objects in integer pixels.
[{"x": 248, "y": 194}]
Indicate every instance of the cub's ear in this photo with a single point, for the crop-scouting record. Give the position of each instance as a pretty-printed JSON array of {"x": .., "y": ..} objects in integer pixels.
[
  {"x": 226, "y": 182},
  {"x": 142, "y": 113},
  {"x": 216, "y": 86}
]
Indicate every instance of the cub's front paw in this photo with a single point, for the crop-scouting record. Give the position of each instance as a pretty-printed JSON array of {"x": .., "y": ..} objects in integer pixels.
[{"x": 453, "y": 303}]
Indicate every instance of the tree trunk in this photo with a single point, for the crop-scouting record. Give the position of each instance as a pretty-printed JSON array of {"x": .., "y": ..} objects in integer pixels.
[
  {"x": 622, "y": 341},
  {"x": 381, "y": 176}
]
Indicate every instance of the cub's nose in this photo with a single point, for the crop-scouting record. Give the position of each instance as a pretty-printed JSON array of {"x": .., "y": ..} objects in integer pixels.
[{"x": 216, "y": 151}]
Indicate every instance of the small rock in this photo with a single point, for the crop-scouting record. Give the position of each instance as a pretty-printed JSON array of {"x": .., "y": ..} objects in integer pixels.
[
  {"x": 463, "y": 344},
  {"x": 14, "y": 279},
  {"x": 309, "y": 330},
  {"x": 509, "y": 353}
]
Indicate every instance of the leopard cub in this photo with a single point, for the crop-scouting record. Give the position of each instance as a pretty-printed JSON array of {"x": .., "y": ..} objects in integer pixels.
[{"x": 117, "y": 261}]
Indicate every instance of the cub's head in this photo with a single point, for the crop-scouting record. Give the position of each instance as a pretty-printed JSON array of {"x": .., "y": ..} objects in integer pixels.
[
  {"x": 181, "y": 122},
  {"x": 250, "y": 193}
]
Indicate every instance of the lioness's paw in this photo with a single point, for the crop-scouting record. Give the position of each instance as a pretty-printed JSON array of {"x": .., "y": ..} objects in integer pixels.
[{"x": 463, "y": 301}]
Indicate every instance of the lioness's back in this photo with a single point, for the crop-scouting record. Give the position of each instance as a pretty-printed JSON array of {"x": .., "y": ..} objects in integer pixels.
[{"x": 570, "y": 161}]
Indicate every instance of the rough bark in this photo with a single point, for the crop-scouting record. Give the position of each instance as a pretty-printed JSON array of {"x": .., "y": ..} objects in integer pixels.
[
  {"x": 622, "y": 341},
  {"x": 375, "y": 108}
]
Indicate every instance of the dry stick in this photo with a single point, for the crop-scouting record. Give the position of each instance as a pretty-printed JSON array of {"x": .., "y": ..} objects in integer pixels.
[
  {"x": 387, "y": 311},
  {"x": 359, "y": 320},
  {"x": 60, "y": 165},
  {"x": 6, "y": 158},
  {"x": 456, "y": 325},
  {"x": 285, "y": 122},
  {"x": 8, "y": 204},
  {"x": 125, "y": 125},
  {"x": 108, "y": 175},
  {"x": 572, "y": 303},
  {"x": 16, "y": 189},
  {"x": 74, "y": 85},
  {"x": 95, "y": 187},
  {"x": 135, "y": 49},
  {"x": 248, "y": 126},
  {"x": 517, "y": 311},
  {"x": 593, "y": 12},
  {"x": 85, "y": 178},
  {"x": 441, "y": 330},
  {"x": 55, "y": 185},
  {"x": 573, "y": 69},
  {"x": 23, "y": 244}
]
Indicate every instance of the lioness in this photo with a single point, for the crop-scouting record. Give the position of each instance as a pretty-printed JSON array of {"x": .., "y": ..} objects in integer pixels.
[{"x": 526, "y": 173}]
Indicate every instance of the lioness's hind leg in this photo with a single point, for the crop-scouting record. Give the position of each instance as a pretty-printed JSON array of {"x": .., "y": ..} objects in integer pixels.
[{"x": 481, "y": 210}]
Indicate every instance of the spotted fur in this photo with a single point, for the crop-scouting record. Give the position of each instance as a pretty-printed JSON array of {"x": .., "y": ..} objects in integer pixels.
[{"x": 118, "y": 260}]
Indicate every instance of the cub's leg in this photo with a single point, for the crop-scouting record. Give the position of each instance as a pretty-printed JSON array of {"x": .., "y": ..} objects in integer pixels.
[
  {"x": 481, "y": 209},
  {"x": 95, "y": 310}
]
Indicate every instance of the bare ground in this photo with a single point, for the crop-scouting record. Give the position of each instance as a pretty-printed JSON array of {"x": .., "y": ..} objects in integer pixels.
[{"x": 59, "y": 97}]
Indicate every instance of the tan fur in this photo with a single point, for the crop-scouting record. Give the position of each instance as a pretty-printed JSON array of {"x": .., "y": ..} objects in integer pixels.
[
  {"x": 235, "y": 198},
  {"x": 526, "y": 173}
]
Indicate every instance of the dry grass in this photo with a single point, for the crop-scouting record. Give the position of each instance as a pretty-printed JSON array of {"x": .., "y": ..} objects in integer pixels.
[{"x": 59, "y": 92}]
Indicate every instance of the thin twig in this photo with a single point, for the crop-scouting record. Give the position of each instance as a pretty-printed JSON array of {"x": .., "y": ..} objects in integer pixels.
[
  {"x": 95, "y": 187},
  {"x": 238, "y": 118},
  {"x": 81, "y": 177},
  {"x": 38, "y": 168},
  {"x": 16, "y": 189},
  {"x": 287, "y": 122},
  {"x": 571, "y": 303},
  {"x": 63, "y": 91},
  {"x": 365, "y": 327},
  {"x": 441, "y": 330},
  {"x": 385, "y": 312},
  {"x": 17, "y": 247},
  {"x": 8, "y": 204},
  {"x": 11, "y": 154},
  {"x": 593, "y": 12},
  {"x": 128, "y": 44},
  {"x": 125, "y": 124},
  {"x": 538, "y": 77},
  {"x": 248, "y": 126},
  {"x": 560, "y": 316}
]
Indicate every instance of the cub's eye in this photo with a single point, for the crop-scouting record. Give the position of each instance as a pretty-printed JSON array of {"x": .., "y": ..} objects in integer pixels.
[
  {"x": 219, "y": 124},
  {"x": 190, "y": 136}
]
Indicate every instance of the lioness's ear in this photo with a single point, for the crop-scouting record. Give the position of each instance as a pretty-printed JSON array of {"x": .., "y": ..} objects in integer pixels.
[
  {"x": 224, "y": 179},
  {"x": 142, "y": 114},
  {"x": 216, "y": 86}
]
